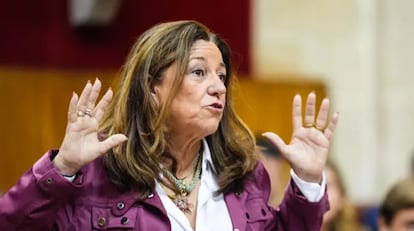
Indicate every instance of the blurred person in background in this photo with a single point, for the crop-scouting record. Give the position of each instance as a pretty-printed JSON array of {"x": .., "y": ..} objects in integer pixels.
[
  {"x": 370, "y": 214},
  {"x": 275, "y": 167},
  {"x": 397, "y": 209},
  {"x": 342, "y": 215},
  {"x": 170, "y": 153}
]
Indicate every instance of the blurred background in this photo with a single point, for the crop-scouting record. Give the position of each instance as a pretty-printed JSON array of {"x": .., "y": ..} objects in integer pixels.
[{"x": 357, "y": 53}]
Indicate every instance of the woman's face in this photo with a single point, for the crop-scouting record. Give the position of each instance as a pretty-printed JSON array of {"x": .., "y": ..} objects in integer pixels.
[
  {"x": 198, "y": 106},
  {"x": 402, "y": 221},
  {"x": 335, "y": 195}
]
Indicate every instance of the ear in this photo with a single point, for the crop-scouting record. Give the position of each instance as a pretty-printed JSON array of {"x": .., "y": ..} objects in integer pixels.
[
  {"x": 155, "y": 94},
  {"x": 154, "y": 91},
  {"x": 155, "y": 97}
]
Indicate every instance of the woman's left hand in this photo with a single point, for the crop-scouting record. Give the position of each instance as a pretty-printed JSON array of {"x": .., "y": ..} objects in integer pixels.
[{"x": 308, "y": 150}]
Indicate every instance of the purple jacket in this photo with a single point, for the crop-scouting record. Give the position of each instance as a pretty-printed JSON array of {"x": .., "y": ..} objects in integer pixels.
[{"x": 44, "y": 200}]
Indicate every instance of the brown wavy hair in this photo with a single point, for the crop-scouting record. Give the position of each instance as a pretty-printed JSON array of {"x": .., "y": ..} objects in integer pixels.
[{"x": 134, "y": 165}]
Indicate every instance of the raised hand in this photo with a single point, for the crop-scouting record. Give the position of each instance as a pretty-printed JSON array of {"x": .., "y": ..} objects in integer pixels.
[
  {"x": 308, "y": 150},
  {"x": 81, "y": 145}
]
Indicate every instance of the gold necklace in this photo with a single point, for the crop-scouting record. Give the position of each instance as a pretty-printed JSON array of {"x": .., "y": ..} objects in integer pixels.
[{"x": 180, "y": 199}]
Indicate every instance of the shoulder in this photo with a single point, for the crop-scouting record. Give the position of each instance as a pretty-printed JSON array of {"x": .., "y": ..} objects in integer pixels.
[
  {"x": 259, "y": 180},
  {"x": 260, "y": 174}
]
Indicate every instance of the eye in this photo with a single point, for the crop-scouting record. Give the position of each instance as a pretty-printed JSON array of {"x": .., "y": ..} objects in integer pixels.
[
  {"x": 222, "y": 77},
  {"x": 199, "y": 72}
]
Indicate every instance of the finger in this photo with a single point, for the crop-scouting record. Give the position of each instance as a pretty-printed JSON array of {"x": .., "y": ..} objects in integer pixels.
[
  {"x": 297, "y": 111},
  {"x": 98, "y": 114},
  {"x": 103, "y": 104},
  {"x": 323, "y": 113},
  {"x": 84, "y": 96},
  {"x": 112, "y": 142},
  {"x": 310, "y": 109},
  {"x": 72, "y": 112},
  {"x": 332, "y": 125},
  {"x": 96, "y": 88},
  {"x": 276, "y": 141}
]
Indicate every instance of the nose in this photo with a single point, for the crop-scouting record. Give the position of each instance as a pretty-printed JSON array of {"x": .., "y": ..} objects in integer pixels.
[{"x": 217, "y": 87}]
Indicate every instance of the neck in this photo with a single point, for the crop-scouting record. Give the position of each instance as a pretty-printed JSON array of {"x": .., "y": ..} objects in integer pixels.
[{"x": 185, "y": 155}]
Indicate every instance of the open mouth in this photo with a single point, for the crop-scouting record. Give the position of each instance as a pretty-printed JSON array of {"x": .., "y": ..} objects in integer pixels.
[{"x": 217, "y": 105}]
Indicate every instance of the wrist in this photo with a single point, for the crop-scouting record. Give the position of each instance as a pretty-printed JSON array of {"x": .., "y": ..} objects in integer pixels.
[
  {"x": 63, "y": 168},
  {"x": 310, "y": 178}
]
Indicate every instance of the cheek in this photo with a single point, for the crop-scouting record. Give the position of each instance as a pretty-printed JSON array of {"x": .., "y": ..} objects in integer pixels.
[
  {"x": 193, "y": 102},
  {"x": 186, "y": 105}
]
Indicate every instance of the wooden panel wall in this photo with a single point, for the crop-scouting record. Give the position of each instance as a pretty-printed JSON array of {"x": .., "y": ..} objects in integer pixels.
[
  {"x": 266, "y": 105},
  {"x": 33, "y": 115},
  {"x": 34, "y": 106}
]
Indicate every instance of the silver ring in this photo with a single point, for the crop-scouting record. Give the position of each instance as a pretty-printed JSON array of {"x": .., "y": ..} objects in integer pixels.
[
  {"x": 88, "y": 112},
  {"x": 80, "y": 114}
]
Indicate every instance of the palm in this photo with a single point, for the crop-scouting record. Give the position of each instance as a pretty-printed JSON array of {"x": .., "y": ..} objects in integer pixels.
[
  {"x": 84, "y": 133},
  {"x": 308, "y": 150},
  {"x": 81, "y": 144}
]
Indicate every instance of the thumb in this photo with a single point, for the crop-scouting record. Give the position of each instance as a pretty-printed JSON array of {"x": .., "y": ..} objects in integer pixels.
[
  {"x": 276, "y": 141},
  {"x": 113, "y": 141}
]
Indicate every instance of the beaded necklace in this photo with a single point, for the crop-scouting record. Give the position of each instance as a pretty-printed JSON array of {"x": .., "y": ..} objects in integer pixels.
[{"x": 180, "y": 199}]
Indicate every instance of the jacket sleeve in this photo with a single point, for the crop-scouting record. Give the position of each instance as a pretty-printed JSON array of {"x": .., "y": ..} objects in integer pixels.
[
  {"x": 33, "y": 203},
  {"x": 297, "y": 213}
]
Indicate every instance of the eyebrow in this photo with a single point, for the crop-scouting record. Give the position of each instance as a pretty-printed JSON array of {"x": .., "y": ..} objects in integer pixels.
[{"x": 204, "y": 60}]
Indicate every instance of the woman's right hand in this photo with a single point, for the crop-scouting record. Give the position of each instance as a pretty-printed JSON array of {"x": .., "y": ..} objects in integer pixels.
[{"x": 81, "y": 145}]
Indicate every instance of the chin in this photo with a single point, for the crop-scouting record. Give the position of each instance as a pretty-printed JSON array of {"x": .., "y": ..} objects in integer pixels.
[{"x": 209, "y": 130}]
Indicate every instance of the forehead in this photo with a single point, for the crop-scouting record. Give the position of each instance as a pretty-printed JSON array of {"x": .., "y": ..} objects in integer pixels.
[{"x": 205, "y": 48}]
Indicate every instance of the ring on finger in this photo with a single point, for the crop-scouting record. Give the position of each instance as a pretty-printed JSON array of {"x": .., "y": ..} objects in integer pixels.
[
  {"x": 80, "y": 113},
  {"x": 322, "y": 129},
  {"x": 88, "y": 112},
  {"x": 312, "y": 125},
  {"x": 309, "y": 125}
]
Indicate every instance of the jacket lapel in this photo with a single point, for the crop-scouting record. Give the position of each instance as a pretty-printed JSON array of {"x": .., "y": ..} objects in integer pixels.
[{"x": 236, "y": 210}]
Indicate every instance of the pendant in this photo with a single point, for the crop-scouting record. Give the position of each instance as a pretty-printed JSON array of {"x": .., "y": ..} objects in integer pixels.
[{"x": 182, "y": 203}]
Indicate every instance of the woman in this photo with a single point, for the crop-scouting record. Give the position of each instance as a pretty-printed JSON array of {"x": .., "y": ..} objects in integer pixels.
[
  {"x": 396, "y": 212},
  {"x": 169, "y": 152},
  {"x": 275, "y": 168},
  {"x": 342, "y": 214}
]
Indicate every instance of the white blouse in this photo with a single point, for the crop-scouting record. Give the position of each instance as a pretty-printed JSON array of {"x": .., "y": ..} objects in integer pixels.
[{"x": 213, "y": 208}]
